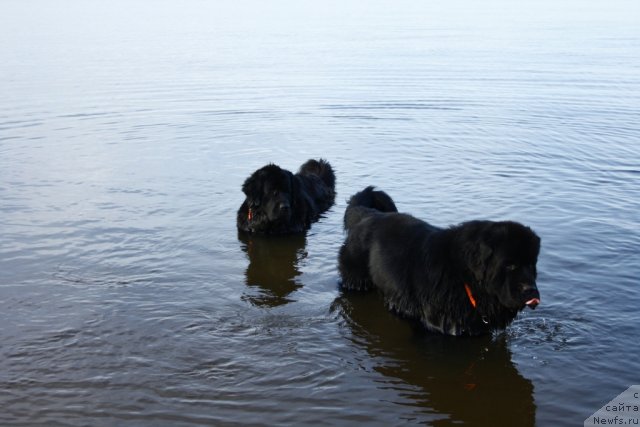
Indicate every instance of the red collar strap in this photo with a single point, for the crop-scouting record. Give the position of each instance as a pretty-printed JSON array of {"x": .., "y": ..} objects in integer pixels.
[
  {"x": 250, "y": 215},
  {"x": 472, "y": 300},
  {"x": 474, "y": 303}
]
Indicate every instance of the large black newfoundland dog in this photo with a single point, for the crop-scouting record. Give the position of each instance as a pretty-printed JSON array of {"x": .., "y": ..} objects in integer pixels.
[
  {"x": 468, "y": 279},
  {"x": 279, "y": 202}
]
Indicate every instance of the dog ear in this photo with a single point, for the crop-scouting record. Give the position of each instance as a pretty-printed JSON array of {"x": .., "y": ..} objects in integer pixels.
[
  {"x": 478, "y": 242},
  {"x": 293, "y": 182},
  {"x": 479, "y": 259},
  {"x": 252, "y": 189},
  {"x": 535, "y": 243}
]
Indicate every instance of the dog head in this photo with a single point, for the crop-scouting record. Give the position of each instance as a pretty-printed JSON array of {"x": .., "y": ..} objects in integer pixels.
[
  {"x": 504, "y": 260},
  {"x": 269, "y": 192}
]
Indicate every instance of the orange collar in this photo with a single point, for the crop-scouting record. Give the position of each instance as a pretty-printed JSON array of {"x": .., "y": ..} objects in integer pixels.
[
  {"x": 472, "y": 300},
  {"x": 250, "y": 215}
]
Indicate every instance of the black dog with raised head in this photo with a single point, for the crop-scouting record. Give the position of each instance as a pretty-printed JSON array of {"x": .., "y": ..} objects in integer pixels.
[
  {"x": 468, "y": 279},
  {"x": 279, "y": 202}
]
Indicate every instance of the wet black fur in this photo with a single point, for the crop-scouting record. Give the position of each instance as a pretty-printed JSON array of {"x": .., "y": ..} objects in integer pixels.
[
  {"x": 421, "y": 269},
  {"x": 282, "y": 202}
]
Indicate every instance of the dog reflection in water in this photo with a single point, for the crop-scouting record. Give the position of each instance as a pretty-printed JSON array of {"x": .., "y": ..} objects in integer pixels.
[
  {"x": 273, "y": 267},
  {"x": 471, "y": 381}
]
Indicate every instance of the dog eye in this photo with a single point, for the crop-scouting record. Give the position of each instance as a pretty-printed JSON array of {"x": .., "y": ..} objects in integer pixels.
[{"x": 511, "y": 267}]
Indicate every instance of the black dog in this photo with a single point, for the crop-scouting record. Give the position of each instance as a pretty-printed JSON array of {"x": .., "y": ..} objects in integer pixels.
[
  {"x": 469, "y": 279},
  {"x": 279, "y": 202}
]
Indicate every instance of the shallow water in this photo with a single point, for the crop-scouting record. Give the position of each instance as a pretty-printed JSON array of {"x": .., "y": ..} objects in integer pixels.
[{"x": 126, "y": 130}]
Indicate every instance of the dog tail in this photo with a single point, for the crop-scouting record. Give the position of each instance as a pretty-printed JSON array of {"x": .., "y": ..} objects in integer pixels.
[
  {"x": 321, "y": 168},
  {"x": 364, "y": 203}
]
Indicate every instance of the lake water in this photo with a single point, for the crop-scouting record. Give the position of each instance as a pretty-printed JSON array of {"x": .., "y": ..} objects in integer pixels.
[{"x": 127, "y": 128}]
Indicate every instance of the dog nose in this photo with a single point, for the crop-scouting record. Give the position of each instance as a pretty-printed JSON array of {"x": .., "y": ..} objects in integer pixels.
[
  {"x": 531, "y": 295},
  {"x": 284, "y": 207}
]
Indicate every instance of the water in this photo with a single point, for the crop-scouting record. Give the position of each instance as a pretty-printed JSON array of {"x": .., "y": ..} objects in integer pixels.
[{"x": 127, "y": 129}]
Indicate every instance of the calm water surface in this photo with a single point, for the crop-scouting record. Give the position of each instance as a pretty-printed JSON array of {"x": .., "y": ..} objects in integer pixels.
[{"x": 127, "y": 128}]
